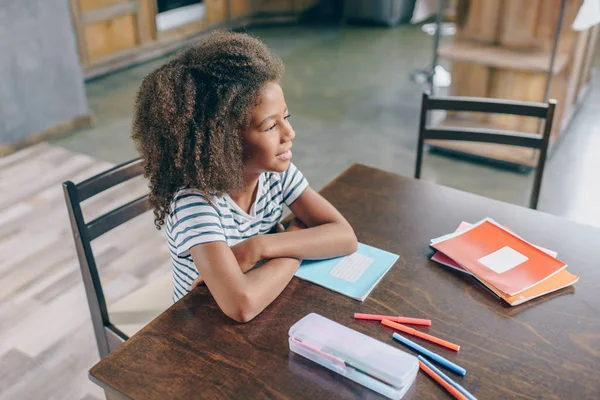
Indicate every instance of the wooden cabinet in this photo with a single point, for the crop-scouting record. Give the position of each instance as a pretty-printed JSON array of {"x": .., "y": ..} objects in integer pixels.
[
  {"x": 502, "y": 49},
  {"x": 216, "y": 11},
  {"x": 239, "y": 8},
  {"x": 112, "y": 34},
  {"x": 107, "y": 27}
]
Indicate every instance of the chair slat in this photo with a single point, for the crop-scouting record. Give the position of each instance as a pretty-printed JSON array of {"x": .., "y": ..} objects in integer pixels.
[
  {"x": 118, "y": 216},
  {"x": 107, "y": 179},
  {"x": 493, "y": 106},
  {"x": 484, "y": 136}
]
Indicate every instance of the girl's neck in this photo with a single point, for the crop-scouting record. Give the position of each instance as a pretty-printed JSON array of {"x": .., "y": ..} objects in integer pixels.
[{"x": 246, "y": 196}]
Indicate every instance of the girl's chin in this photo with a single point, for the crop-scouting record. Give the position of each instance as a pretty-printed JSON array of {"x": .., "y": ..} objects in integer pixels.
[{"x": 280, "y": 165}]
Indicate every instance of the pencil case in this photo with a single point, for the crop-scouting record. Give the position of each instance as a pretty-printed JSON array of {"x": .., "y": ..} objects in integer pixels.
[{"x": 380, "y": 367}]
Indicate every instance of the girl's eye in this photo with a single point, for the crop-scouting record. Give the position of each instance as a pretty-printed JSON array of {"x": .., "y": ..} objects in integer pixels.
[{"x": 274, "y": 125}]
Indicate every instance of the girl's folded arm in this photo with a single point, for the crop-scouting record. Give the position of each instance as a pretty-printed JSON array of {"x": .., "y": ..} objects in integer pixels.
[
  {"x": 328, "y": 234},
  {"x": 241, "y": 296}
]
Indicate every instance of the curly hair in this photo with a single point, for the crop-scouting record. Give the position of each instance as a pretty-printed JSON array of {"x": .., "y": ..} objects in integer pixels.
[{"x": 190, "y": 114}]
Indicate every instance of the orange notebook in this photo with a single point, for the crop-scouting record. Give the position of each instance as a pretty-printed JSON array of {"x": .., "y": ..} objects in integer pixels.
[
  {"x": 498, "y": 258},
  {"x": 560, "y": 280}
]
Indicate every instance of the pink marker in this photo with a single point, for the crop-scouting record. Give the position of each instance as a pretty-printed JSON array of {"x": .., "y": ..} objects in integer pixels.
[{"x": 401, "y": 320}]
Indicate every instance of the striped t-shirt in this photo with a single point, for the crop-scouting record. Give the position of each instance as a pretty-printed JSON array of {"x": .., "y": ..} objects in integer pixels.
[{"x": 193, "y": 220}]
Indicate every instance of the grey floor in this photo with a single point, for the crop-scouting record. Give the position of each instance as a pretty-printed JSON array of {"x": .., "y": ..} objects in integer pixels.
[{"x": 351, "y": 100}]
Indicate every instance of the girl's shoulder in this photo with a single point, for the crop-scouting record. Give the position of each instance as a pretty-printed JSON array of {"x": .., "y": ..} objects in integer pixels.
[
  {"x": 187, "y": 194},
  {"x": 193, "y": 199}
]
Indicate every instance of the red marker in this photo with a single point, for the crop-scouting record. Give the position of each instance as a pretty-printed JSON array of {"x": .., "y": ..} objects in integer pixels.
[{"x": 422, "y": 335}]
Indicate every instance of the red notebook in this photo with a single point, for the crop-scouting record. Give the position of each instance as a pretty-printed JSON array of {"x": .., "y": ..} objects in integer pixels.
[
  {"x": 497, "y": 256},
  {"x": 558, "y": 281},
  {"x": 443, "y": 259}
]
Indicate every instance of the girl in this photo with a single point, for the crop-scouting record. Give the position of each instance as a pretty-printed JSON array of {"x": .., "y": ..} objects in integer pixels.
[{"x": 213, "y": 130}]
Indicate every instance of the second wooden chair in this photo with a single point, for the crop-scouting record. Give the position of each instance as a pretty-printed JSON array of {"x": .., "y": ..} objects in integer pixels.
[{"x": 544, "y": 111}]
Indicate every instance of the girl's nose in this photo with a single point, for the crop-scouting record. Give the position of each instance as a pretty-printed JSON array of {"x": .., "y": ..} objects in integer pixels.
[{"x": 288, "y": 133}]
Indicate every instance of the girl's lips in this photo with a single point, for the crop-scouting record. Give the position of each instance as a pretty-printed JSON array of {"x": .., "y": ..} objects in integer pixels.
[{"x": 285, "y": 156}]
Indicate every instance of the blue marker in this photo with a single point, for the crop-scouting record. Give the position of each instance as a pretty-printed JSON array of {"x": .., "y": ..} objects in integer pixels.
[
  {"x": 448, "y": 364},
  {"x": 447, "y": 379}
]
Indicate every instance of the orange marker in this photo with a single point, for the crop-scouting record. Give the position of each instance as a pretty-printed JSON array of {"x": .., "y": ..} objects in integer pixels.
[
  {"x": 422, "y": 335},
  {"x": 442, "y": 382},
  {"x": 403, "y": 320}
]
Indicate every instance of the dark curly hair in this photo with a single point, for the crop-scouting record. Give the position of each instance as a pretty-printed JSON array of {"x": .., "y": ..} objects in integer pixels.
[{"x": 190, "y": 114}]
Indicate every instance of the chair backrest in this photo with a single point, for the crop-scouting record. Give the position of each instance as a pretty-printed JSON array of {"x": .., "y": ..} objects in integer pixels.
[
  {"x": 543, "y": 111},
  {"x": 108, "y": 336}
]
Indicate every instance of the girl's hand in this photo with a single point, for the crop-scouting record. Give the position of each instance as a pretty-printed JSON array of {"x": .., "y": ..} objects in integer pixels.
[{"x": 248, "y": 253}]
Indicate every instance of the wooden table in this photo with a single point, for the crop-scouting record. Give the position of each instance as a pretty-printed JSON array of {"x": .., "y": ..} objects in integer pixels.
[{"x": 548, "y": 348}]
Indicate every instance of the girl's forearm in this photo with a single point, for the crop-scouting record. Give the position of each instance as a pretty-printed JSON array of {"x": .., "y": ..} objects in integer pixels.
[
  {"x": 264, "y": 284},
  {"x": 324, "y": 241}
]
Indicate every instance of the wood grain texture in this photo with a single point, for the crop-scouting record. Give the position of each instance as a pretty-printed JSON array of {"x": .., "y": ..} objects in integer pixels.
[
  {"x": 146, "y": 20},
  {"x": 482, "y": 21},
  {"x": 87, "y": 5},
  {"x": 547, "y": 21},
  {"x": 471, "y": 80},
  {"x": 216, "y": 11},
  {"x": 239, "y": 7},
  {"x": 518, "y": 24},
  {"x": 518, "y": 58},
  {"x": 501, "y": 57},
  {"x": 108, "y": 37},
  {"x": 547, "y": 348},
  {"x": 516, "y": 85}
]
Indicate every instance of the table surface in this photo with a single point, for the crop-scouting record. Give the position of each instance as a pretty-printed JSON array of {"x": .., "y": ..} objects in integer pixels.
[{"x": 547, "y": 348}]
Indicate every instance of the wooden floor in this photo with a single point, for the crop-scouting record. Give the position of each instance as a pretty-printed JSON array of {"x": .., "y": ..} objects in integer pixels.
[{"x": 46, "y": 339}]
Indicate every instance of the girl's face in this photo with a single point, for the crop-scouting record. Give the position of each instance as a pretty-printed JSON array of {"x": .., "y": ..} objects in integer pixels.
[{"x": 268, "y": 138}]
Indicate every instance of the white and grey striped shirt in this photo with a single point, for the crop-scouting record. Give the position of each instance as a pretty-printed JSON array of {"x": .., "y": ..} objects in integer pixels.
[{"x": 193, "y": 220}]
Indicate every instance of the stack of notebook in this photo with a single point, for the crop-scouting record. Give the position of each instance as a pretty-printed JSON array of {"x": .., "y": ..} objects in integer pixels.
[{"x": 512, "y": 268}]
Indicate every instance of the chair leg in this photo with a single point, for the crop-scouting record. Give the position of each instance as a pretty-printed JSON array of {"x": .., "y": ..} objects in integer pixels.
[
  {"x": 419, "y": 160},
  {"x": 537, "y": 181},
  {"x": 422, "y": 126},
  {"x": 539, "y": 171}
]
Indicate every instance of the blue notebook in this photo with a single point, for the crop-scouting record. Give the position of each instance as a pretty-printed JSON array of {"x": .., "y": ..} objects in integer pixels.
[{"x": 354, "y": 275}]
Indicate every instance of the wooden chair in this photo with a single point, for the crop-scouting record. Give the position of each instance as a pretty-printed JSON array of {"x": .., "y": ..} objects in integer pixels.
[
  {"x": 543, "y": 111},
  {"x": 147, "y": 302}
]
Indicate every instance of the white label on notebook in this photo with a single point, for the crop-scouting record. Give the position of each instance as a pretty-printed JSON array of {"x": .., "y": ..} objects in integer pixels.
[
  {"x": 503, "y": 260},
  {"x": 351, "y": 267}
]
